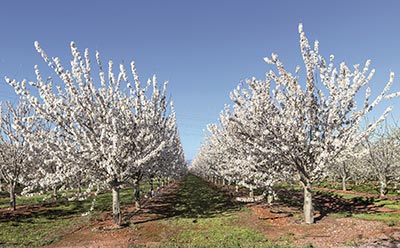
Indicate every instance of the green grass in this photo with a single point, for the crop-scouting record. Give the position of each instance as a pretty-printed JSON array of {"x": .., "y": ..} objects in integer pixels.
[
  {"x": 36, "y": 231},
  {"x": 391, "y": 204},
  {"x": 388, "y": 218},
  {"x": 198, "y": 199},
  {"x": 201, "y": 215},
  {"x": 370, "y": 187},
  {"x": 42, "y": 226},
  {"x": 223, "y": 245},
  {"x": 215, "y": 232},
  {"x": 206, "y": 217},
  {"x": 21, "y": 200},
  {"x": 53, "y": 220},
  {"x": 373, "y": 188},
  {"x": 395, "y": 205},
  {"x": 127, "y": 196},
  {"x": 348, "y": 196}
]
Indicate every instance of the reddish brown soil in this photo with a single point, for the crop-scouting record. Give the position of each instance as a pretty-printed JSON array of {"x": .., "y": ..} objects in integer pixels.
[
  {"x": 361, "y": 194},
  {"x": 280, "y": 222},
  {"x": 142, "y": 227},
  {"x": 285, "y": 227},
  {"x": 24, "y": 211},
  {"x": 285, "y": 224}
]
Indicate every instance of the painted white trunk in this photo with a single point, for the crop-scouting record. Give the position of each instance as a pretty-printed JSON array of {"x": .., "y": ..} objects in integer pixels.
[
  {"x": 137, "y": 195},
  {"x": 251, "y": 193},
  {"x": 13, "y": 204},
  {"x": 55, "y": 192},
  {"x": 116, "y": 206},
  {"x": 270, "y": 196},
  {"x": 151, "y": 188},
  {"x": 383, "y": 185},
  {"x": 308, "y": 203},
  {"x": 344, "y": 183}
]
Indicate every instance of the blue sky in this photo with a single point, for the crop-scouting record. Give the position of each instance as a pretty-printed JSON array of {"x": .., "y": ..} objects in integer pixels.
[{"x": 203, "y": 48}]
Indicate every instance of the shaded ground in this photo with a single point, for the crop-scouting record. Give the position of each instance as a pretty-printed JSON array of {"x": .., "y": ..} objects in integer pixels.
[
  {"x": 327, "y": 202},
  {"x": 286, "y": 228},
  {"x": 195, "y": 213},
  {"x": 191, "y": 200},
  {"x": 334, "y": 225},
  {"x": 47, "y": 210}
]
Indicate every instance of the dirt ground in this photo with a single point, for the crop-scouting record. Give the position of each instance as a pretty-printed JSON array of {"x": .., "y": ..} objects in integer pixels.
[
  {"x": 327, "y": 232},
  {"x": 284, "y": 225},
  {"x": 142, "y": 228}
]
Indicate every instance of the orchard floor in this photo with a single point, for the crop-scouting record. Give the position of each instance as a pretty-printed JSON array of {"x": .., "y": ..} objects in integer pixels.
[{"x": 194, "y": 213}]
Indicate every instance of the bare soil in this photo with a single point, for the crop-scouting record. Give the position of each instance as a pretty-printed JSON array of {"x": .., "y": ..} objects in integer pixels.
[
  {"x": 286, "y": 227},
  {"x": 141, "y": 228},
  {"x": 280, "y": 222},
  {"x": 28, "y": 210}
]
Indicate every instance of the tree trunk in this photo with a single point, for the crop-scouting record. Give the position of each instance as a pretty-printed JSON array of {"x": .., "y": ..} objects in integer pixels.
[
  {"x": 270, "y": 196},
  {"x": 334, "y": 180},
  {"x": 79, "y": 190},
  {"x": 308, "y": 203},
  {"x": 151, "y": 187},
  {"x": 13, "y": 204},
  {"x": 237, "y": 188},
  {"x": 117, "y": 218},
  {"x": 137, "y": 194},
  {"x": 251, "y": 193},
  {"x": 55, "y": 192},
  {"x": 344, "y": 183},
  {"x": 383, "y": 185}
]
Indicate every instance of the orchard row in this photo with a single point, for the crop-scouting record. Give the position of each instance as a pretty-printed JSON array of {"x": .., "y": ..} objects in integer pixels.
[
  {"x": 285, "y": 129},
  {"x": 80, "y": 131}
]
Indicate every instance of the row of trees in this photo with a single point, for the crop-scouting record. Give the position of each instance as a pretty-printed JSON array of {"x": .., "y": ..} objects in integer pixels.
[
  {"x": 77, "y": 131},
  {"x": 278, "y": 129},
  {"x": 375, "y": 159}
]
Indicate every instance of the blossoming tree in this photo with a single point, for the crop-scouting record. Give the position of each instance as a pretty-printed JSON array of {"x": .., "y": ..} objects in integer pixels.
[
  {"x": 305, "y": 126},
  {"x": 381, "y": 157},
  {"x": 17, "y": 162},
  {"x": 110, "y": 129}
]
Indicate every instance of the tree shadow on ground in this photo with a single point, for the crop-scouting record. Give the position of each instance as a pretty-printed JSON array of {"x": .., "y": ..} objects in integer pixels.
[
  {"x": 193, "y": 198},
  {"x": 327, "y": 203},
  {"x": 49, "y": 211},
  {"x": 200, "y": 199}
]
